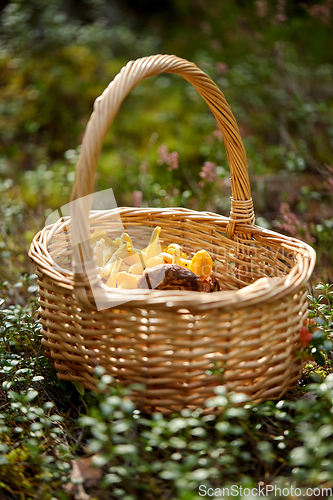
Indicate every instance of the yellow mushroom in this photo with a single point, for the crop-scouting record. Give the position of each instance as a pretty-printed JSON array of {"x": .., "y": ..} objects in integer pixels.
[
  {"x": 121, "y": 253},
  {"x": 155, "y": 261},
  {"x": 125, "y": 238},
  {"x": 173, "y": 247},
  {"x": 124, "y": 267},
  {"x": 116, "y": 242},
  {"x": 97, "y": 235},
  {"x": 126, "y": 280},
  {"x": 167, "y": 258},
  {"x": 136, "y": 268},
  {"x": 111, "y": 282},
  {"x": 154, "y": 247},
  {"x": 201, "y": 264},
  {"x": 137, "y": 256}
]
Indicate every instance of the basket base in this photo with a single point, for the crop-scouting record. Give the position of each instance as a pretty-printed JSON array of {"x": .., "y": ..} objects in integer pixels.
[{"x": 158, "y": 398}]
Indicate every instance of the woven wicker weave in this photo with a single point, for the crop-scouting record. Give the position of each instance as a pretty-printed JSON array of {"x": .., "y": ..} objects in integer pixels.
[{"x": 179, "y": 344}]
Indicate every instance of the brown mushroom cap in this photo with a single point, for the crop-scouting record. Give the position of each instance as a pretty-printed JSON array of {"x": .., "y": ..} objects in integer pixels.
[
  {"x": 170, "y": 277},
  {"x": 210, "y": 284}
]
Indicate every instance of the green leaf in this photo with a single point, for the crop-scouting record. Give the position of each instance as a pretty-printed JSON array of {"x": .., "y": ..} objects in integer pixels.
[
  {"x": 176, "y": 424},
  {"x": 327, "y": 345},
  {"x": 86, "y": 421},
  {"x": 199, "y": 474},
  {"x": 99, "y": 460},
  {"x": 176, "y": 442},
  {"x": 238, "y": 398},
  {"x": 318, "y": 334},
  {"x": 124, "y": 449},
  {"x": 111, "y": 479},
  {"x": 220, "y": 390},
  {"x": 31, "y": 395},
  {"x": 7, "y": 384},
  {"x": 121, "y": 426},
  {"x": 319, "y": 358},
  {"x": 79, "y": 387},
  {"x": 299, "y": 456}
]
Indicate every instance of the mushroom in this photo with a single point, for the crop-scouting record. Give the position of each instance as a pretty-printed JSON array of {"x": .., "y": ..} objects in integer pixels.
[
  {"x": 105, "y": 271},
  {"x": 111, "y": 282},
  {"x": 126, "y": 280},
  {"x": 99, "y": 252},
  {"x": 176, "y": 256},
  {"x": 201, "y": 264},
  {"x": 121, "y": 253},
  {"x": 154, "y": 248},
  {"x": 167, "y": 257},
  {"x": 155, "y": 261},
  {"x": 125, "y": 238},
  {"x": 136, "y": 268},
  {"x": 170, "y": 277},
  {"x": 137, "y": 256},
  {"x": 210, "y": 284}
]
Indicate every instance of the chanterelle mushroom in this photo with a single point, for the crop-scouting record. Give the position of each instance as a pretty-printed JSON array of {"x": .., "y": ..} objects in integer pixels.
[
  {"x": 201, "y": 264},
  {"x": 126, "y": 280}
]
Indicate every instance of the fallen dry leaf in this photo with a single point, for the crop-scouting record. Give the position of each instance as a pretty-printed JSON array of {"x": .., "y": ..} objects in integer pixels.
[{"x": 83, "y": 475}]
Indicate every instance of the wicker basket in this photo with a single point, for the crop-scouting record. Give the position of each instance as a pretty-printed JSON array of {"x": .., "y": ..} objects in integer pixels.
[{"x": 180, "y": 345}]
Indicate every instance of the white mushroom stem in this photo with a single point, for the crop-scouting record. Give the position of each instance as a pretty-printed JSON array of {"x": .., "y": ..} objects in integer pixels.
[{"x": 176, "y": 256}]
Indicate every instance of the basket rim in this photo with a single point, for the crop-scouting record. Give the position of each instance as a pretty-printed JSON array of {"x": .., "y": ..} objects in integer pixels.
[{"x": 263, "y": 291}]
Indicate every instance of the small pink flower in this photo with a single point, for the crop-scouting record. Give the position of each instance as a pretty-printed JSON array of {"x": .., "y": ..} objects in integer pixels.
[
  {"x": 171, "y": 159},
  {"x": 206, "y": 27},
  {"x": 218, "y": 134},
  {"x": 221, "y": 67},
  {"x": 281, "y": 14},
  {"x": 144, "y": 166},
  {"x": 329, "y": 185},
  {"x": 292, "y": 225},
  {"x": 164, "y": 154},
  {"x": 321, "y": 12},
  {"x": 281, "y": 18},
  {"x": 208, "y": 172},
  {"x": 261, "y": 6},
  {"x": 215, "y": 45},
  {"x": 137, "y": 198}
]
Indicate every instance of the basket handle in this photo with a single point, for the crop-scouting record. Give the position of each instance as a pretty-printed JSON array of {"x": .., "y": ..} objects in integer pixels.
[{"x": 106, "y": 108}]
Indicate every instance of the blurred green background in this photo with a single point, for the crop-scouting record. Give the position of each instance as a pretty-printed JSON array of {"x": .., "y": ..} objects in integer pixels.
[{"x": 272, "y": 59}]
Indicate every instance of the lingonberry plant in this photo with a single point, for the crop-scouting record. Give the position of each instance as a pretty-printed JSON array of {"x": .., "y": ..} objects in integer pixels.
[{"x": 319, "y": 334}]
